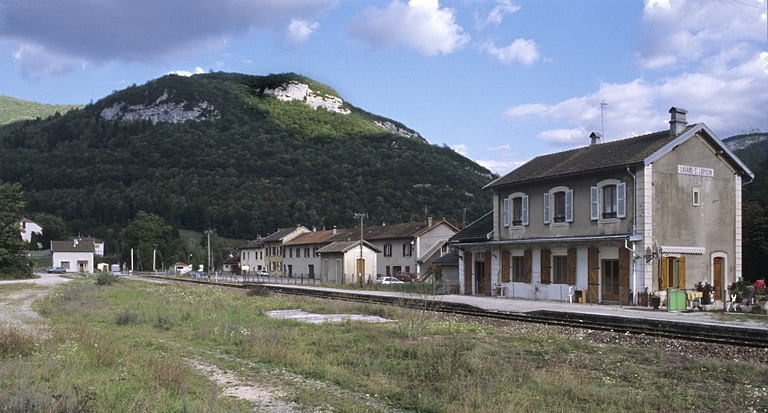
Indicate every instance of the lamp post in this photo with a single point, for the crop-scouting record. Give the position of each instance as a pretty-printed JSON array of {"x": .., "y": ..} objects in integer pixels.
[{"x": 361, "y": 265}]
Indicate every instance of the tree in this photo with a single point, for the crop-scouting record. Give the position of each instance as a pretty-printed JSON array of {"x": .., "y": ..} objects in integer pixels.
[
  {"x": 54, "y": 229},
  {"x": 145, "y": 232},
  {"x": 12, "y": 264}
]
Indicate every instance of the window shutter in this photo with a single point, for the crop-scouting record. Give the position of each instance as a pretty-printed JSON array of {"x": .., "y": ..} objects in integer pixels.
[
  {"x": 594, "y": 202},
  {"x": 546, "y": 208},
  {"x": 621, "y": 200},
  {"x": 681, "y": 273},
  {"x": 664, "y": 281},
  {"x": 569, "y": 206},
  {"x": 545, "y": 266},
  {"x": 524, "y": 211},
  {"x": 504, "y": 266},
  {"x": 527, "y": 266},
  {"x": 506, "y": 212},
  {"x": 571, "y": 266}
]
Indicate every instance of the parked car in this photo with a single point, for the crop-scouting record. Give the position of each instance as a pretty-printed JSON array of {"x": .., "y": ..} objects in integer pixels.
[
  {"x": 388, "y": 280},
  {"x": 262, "y": 273},
  {"x": 57, "y": 270},
  {"x": 405, "y": 276}
]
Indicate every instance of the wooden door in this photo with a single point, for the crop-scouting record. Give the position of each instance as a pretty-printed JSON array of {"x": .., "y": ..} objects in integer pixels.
[
  {"x": 717, "y": 277},
  {"x": 593, "y": 275}
]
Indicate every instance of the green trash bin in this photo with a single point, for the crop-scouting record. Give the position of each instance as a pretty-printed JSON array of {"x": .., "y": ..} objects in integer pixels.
[{"x": 676, "y": 299}]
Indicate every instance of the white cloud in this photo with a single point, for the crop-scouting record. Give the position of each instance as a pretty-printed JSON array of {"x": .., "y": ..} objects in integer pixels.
[
  {"x": 497, "y": 14},
  {"x": 503, "y": 161},
  {"x": 300, "y": 30},
  {"x": 197, "y": 71},
  {"x": 461, "y": 149},
  {"x": 715, "y": 49},
  {"x": 31, "y": 59},
  {"x": 521, "y": 50},
  {"x": 420, "y": 24}
]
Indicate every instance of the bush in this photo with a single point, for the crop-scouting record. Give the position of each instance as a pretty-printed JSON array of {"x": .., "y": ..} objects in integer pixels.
[
  {"x": 126, "y": 317},
  {"x": 258, "y": 291},
  {"x": 105, "y": 278}
]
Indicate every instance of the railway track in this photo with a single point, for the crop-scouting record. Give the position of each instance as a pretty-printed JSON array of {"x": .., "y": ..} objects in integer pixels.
[{"x": 696, "y": 332}]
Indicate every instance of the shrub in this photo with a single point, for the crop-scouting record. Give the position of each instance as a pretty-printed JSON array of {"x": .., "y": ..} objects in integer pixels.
[
  {"x": 258, "y": 291},
  {"x": 126, "y": 317},
  {"x": 105, "y": 278}
]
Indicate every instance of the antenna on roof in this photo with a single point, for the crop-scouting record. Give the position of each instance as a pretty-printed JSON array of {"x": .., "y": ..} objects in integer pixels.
[{"x": 602, "y": 118}]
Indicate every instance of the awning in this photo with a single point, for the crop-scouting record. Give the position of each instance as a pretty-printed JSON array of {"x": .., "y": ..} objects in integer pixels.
[{"x": 666, "y": 249}]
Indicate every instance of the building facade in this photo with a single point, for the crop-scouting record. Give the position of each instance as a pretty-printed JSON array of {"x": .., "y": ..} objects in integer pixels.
[{"x": 610, "y": 220}]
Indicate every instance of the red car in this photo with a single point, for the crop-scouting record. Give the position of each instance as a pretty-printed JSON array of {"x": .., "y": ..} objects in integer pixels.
[{"x": 406, "y": 276}]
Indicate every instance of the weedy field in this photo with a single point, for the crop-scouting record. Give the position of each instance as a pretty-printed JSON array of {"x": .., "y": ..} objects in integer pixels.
[{"x": 128, "y": 345}]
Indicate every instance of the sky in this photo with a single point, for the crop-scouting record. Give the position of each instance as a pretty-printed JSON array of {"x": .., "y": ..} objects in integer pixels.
[{"x": 499, "y": 81}]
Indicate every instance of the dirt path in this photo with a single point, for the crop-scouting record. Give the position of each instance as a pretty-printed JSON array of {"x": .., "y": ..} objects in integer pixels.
[{"x": 16, "y": 307}]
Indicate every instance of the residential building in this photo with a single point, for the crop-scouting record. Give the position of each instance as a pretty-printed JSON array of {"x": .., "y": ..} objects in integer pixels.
[
  {"x": 301, "y": 254},
  {"x": 274, "y": 251},
  {"x": 74, "y": 255},
  {"x": 411, "y": 246},
  {"x": 252, "y": 256},
  {"x": 346, "y": 262},
  {"x": 28, "y": 227},
  {"x": 612, "y": 220}
]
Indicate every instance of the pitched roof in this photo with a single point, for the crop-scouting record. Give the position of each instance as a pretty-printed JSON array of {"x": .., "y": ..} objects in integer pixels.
[
  {"x": 476, "y": 231},
  {"x": 589, "y": 158},
  {"x": 344, "y": 246},
  {"x": 315, "y": 237},
  {"x": 257, "y": 243},
  {"x": 72, "y": 246},
  {"x": 278, "y": 235}
]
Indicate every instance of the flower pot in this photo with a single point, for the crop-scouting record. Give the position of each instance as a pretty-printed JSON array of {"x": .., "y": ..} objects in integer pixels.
[
  {"x": 764, "y": 305},
  {"x": 746, "y": 308}
]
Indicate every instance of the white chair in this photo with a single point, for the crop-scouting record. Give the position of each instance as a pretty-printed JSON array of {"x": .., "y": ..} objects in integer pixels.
[
  {"x": 571, "y": 290},
  {"x": 731, "y": 305}
]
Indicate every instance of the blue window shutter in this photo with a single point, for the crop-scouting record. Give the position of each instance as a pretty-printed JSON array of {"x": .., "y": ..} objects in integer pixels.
[
  {"x": 594, "y": 203},
  {"x": 621, "y": 200},
  {"x": 524, "y": 211},
  {"x": 506, "y": 212}
]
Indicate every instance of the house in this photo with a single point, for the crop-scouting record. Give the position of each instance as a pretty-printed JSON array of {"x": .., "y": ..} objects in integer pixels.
[
  {"x": 346, "y": 262},
  {"x": 612, "y": 220},
  {"x": 410, "y": 247},
  {"x": 28, "y": 227},
  {"x": 252, "y": 256},
  {"x": 74, "y": 255},
  {"x": 301, "y": 255},
  {"x": 273, "y": 248},
  {"x": 231, "y": 266}
]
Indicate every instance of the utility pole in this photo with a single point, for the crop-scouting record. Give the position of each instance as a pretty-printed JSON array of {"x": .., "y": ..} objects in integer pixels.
[
  {"x": 361, "y": 265},
  {"x": 154, "y": 258},
  {"x": 210, "y": 261}
]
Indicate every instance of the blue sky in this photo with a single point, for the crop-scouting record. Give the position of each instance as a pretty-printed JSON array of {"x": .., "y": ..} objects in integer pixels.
[{"x": 500, "y": 81}]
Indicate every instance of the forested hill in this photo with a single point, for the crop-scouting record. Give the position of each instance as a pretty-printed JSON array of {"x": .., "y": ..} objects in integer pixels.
[
  {"x": 243, "y": 155},
  {"x": 12, "y": 109}
]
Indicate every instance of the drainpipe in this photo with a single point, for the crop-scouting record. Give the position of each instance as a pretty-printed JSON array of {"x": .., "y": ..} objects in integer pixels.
[{"x": 634, "y": 230}]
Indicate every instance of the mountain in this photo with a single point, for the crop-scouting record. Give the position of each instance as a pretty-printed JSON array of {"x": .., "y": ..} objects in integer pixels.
[
  {"x": 12, "y": 109},
  {"x": 243, "y": 155}
]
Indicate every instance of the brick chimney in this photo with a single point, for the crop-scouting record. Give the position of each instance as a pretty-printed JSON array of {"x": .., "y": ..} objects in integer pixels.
[
  {"x": 429, "y": 221},
  {"x": 677, "y": 121},
  {"x": 594, "y": 139}
]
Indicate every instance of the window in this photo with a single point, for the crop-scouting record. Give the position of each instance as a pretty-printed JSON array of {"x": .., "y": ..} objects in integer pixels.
[
  {"x": 610, "y": 279},
  {"x": 306, "y": 252},
  {"x": 558, "y": 205},
  {"x": 298, "y": 252},
  {"x": 696, "y": 196},
  {"x": 518, "y": 272},
  {"x": 407, "y": 249},
  {"x": 516, "y": 210},
  {"x": 608, "y": 200},
  {"x": 387, "y": 250},
  {"x": 560, "y": 269}
]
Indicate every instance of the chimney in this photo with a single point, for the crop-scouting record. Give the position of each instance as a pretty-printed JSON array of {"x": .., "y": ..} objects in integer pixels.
[
  {"x": 334, "y": 230},
  {"x": 677, "y": 121},
  {"x": 594, "y": 138},
  {"x": 429, "y": 221}
]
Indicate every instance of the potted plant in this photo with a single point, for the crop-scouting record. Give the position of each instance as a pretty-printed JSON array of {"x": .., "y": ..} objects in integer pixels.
[
  {"x": 706, "y": 290},
  {"x": 655, "y": 301}
]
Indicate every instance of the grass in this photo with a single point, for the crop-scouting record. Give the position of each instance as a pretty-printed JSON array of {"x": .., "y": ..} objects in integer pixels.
[{"x": 123, "y": 347}]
